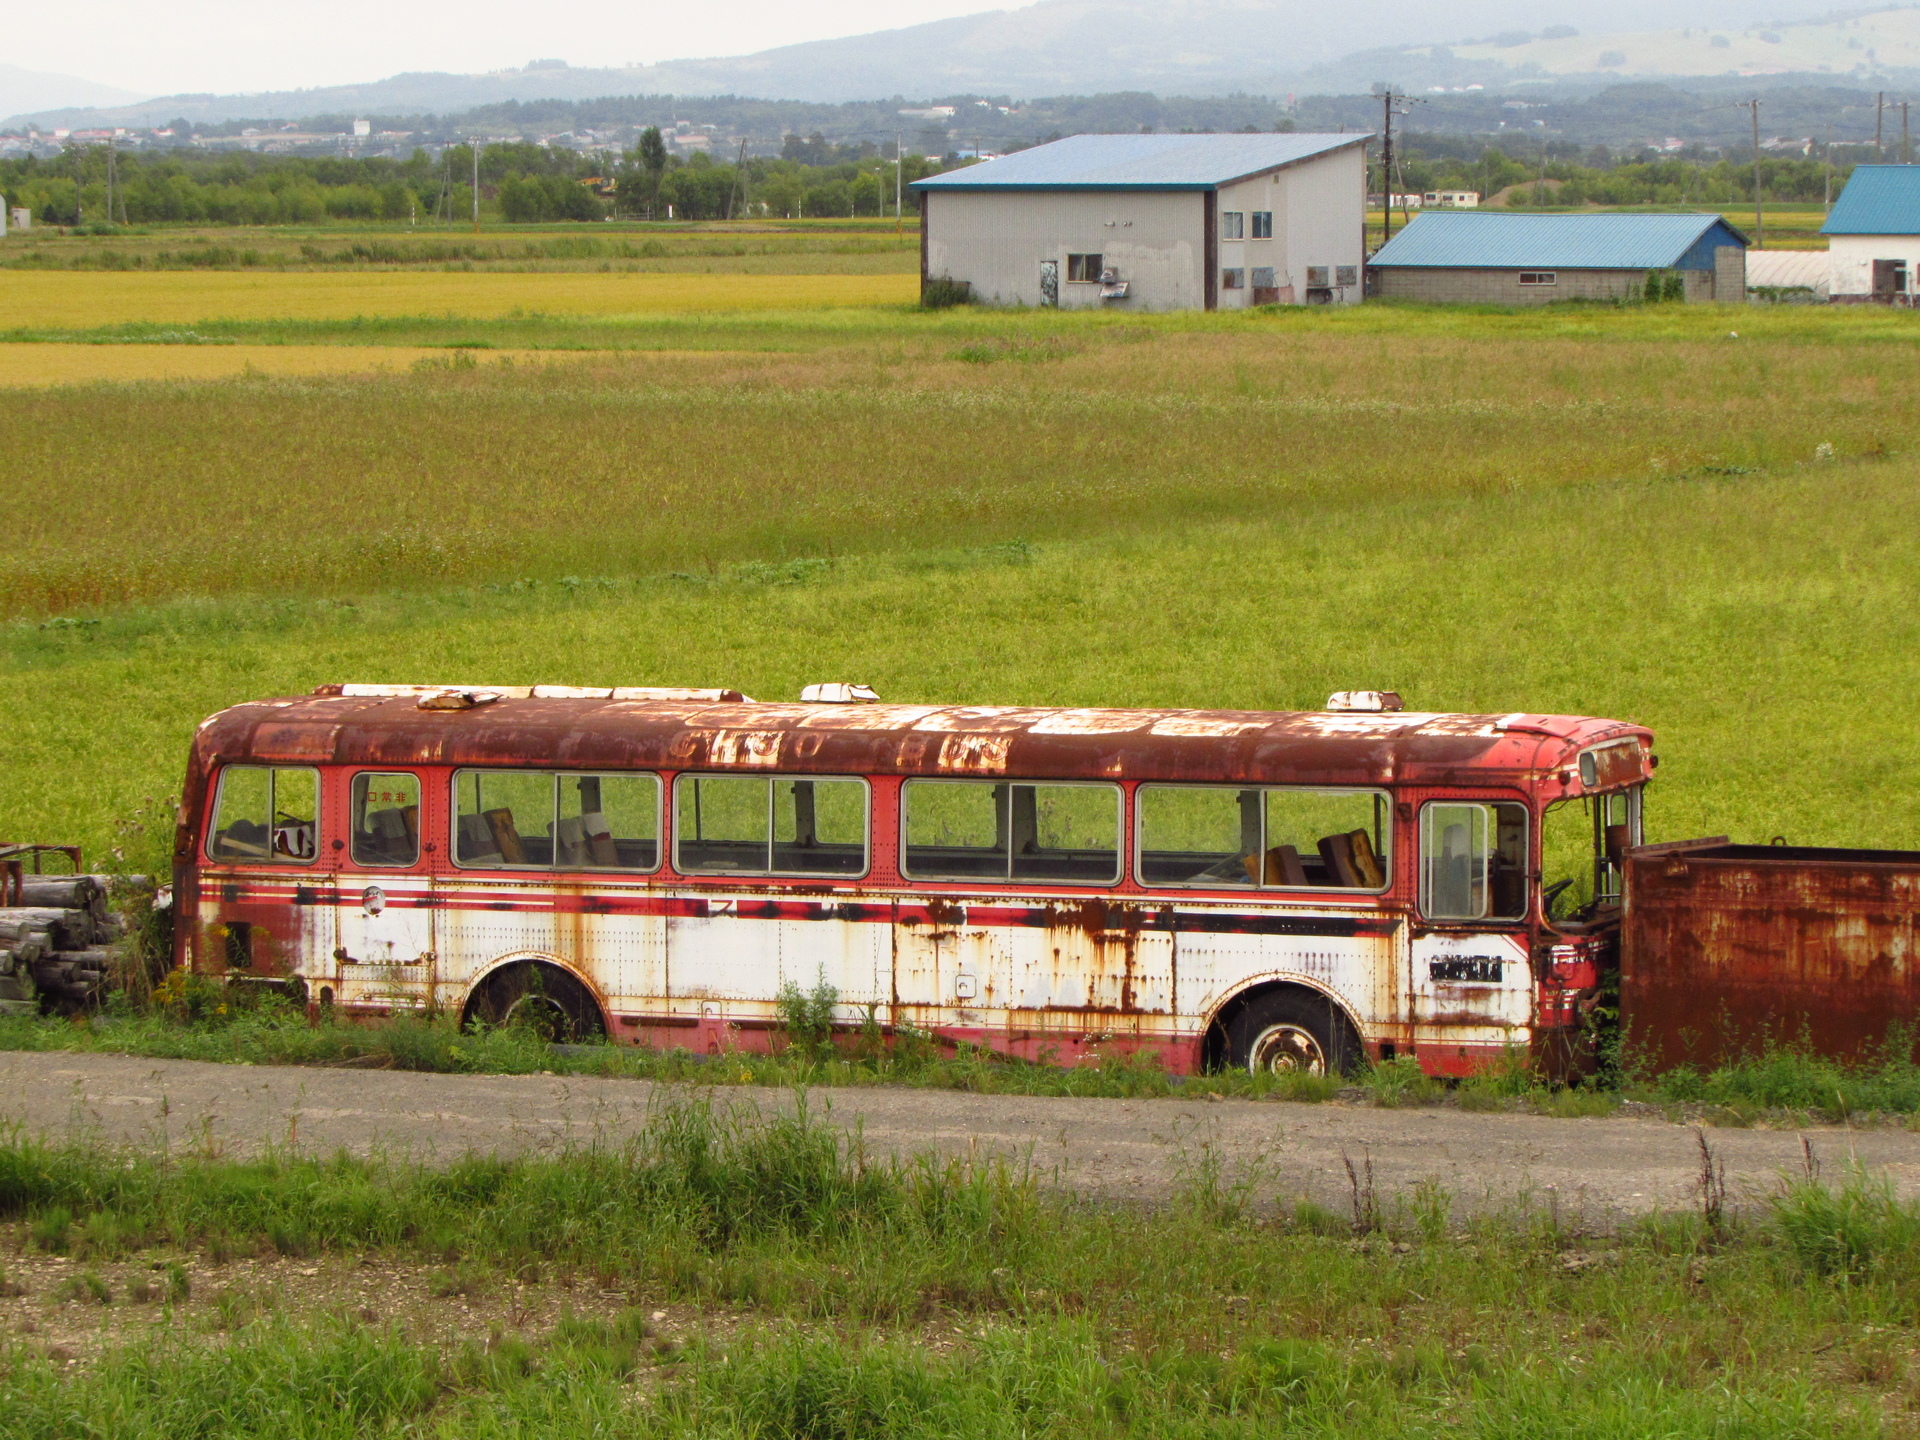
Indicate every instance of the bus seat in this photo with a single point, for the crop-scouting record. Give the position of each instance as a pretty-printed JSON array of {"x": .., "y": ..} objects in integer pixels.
[
  {"x": 506, "y": 835},
  {"x": 1336, "y": 853},
  {"x": 600, "y": 847},
  {"x": 1366, "y": 863},
  {"x": 1285, "y": 867},
  {"x": 570, "y": 842},
  {"x": 476, "y": 841}
]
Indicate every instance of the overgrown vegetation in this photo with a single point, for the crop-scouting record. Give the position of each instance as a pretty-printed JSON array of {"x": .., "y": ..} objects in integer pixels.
[{"x": 869, "y": 1298}]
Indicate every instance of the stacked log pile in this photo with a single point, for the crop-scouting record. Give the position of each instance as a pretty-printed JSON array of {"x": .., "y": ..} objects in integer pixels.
[{"x": 55, "y": 943}]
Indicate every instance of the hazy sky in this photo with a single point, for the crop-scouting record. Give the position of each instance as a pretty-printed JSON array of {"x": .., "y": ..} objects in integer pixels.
[{"x": 247, "y": 45}]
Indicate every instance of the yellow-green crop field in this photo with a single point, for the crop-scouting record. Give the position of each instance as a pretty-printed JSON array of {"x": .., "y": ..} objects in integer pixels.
[
  {"x": 1703, "y": 518},
  {"x": 83, "y": 299}
]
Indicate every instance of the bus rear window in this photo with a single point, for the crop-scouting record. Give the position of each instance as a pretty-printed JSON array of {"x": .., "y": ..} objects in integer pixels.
[
  {"x": 266, "y": 816},
  {"x": 1215, "y": 835},
  {"x": 544, "y": 819},
  {"x": 982, "y": 830},
  {"x": 769, "y": 825},
  {"x": 386, "y": 819}
]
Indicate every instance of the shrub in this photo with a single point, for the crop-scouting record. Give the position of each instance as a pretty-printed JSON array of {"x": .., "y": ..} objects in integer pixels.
[{"x": 942, "y": 293}]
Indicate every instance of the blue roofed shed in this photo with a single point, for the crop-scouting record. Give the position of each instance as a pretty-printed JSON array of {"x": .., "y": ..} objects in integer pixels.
[
  {"x": 1477, "y": 257},
  {"x": 1153, "y": 222},
  {"x": 1873, "y": 236}
]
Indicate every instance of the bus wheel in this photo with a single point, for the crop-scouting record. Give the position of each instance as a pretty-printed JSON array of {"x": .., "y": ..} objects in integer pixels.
[
  {"x": 1292, "y": 1031},
  {"x": 544, "y": 998}
]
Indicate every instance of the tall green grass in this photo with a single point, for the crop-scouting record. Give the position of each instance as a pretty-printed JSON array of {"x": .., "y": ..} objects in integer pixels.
[{"x": 919, "y": 1299}]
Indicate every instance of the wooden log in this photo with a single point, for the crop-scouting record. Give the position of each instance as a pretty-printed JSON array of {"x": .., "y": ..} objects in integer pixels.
[
  {"x": 71, "y": 929},
  {"x": 64, "y": 892}
]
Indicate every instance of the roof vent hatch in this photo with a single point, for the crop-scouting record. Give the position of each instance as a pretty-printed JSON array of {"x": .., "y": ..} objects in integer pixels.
[
  {"x": 838, "y": 692},
  {"x": 1369, "y": 701}
]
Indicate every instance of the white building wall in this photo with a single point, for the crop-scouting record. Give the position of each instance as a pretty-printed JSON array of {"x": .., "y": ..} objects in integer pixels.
[
  {"x": 996, "y": 240},
  {"x": 1317, "y": 209},
  {"x": 1850, "y": 261}
]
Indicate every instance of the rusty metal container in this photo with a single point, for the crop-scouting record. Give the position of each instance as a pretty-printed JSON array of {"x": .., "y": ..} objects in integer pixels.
[{"x": 1726, "y": 947}]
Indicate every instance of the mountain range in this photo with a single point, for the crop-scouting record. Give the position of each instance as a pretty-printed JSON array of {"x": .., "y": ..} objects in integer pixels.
[{"x": 1192, "y": 47}]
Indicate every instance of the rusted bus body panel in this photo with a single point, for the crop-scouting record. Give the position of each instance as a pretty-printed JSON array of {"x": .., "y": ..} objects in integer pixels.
[
  {"x": 1036, "y": 971},
  {"x": 1728, "y": 946}
]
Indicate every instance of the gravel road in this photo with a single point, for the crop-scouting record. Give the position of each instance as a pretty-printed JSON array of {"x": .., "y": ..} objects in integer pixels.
[{"x": 1602, "y": 1169}]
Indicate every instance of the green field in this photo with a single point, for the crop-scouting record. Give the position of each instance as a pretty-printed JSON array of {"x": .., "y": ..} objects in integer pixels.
[{"x": 1620, "y": 512}]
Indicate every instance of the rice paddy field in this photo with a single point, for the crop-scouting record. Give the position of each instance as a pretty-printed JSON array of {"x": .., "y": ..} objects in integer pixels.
[{"x": 228, "y": 483}]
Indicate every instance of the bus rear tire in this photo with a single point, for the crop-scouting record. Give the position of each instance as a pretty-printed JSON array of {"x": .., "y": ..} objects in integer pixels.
[
  {"x": 1292, "y": 1032},
  {"x": 543, "y": 997}
]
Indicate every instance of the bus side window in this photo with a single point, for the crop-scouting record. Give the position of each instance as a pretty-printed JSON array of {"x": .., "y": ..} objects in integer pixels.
[
  {"x": 1473, "y": 860},
  {"x": 608, "y": 822},
  {"x": 770, "y": 825},
  {"x": 265, "y": 815},
  {"x": 986, "y": 830},
  {"x": 1292, "y": 839},
  {"x": 385, "y": 819}
]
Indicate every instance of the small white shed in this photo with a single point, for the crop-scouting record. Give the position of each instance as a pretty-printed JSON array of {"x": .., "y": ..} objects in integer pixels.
[
  {"x": 1873, "y": 236},
  {"x": 1153, "y": 222}
]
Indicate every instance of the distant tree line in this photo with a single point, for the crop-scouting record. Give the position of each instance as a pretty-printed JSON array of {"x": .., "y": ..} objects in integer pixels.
[
  {"x": 1598, "y": 176},
  {"x": 813, "y": 176},
  {"x": 519, "y": 182}
]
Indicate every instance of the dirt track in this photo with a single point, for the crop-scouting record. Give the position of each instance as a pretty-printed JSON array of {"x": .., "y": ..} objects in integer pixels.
[{"x": 1104, "y": 1149}]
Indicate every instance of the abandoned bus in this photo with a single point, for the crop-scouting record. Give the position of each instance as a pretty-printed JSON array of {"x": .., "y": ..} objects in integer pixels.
[{"x": 1264, "y": 890}]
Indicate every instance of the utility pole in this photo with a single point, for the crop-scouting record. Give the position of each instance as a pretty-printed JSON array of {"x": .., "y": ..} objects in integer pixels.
[
  {"x": 476, "y": 184},
  {"x": 109, "y": 179},
  {"x": 1388, "y": 100},
  {"x": 899, "y": 173},
  {"x": 1386, "y": 167},
  {"x": 1827, "y": 204},
  {"x": 1879, "y": 114},
  {"x": 739, "y": 180},
  {"x": 1759, "y": 223},
  {"x": 1906, "y": 152}
]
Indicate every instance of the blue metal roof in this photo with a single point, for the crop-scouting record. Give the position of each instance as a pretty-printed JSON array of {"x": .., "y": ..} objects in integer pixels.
[
  {"x": 1139, "y": 162},
  {"x": 1467, "y": 239},
  {"x": 1877, "y": 200}
]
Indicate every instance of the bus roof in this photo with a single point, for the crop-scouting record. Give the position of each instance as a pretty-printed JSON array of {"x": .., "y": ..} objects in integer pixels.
[{"x": 1540, "y": 752}]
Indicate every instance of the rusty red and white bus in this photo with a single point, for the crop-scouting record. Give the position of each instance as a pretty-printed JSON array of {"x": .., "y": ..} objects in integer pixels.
[{"x": 1244, "y": 888}]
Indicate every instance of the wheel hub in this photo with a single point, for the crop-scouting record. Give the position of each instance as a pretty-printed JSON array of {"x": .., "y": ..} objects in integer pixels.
[{"x": 1283, "y": 1048}]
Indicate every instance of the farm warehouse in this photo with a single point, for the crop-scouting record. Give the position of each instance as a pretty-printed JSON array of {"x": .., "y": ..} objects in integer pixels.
[
  {"x": 1153, "y": 222},
  {"x": 1477, "y": 258},
  {"x": 1873, "y": 236}
]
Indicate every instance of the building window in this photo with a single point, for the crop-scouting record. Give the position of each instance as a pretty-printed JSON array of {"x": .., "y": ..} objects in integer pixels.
[
  {"x": 1233, "y": 279},
  {"x": 1263, "y": 277},
  {"x": 1083, "y": 269},
  {"x": 1263, "y": 224},
  {"x": 1539, "y": 277},
  {"x": 1233, "y": 225},
  {"x": 1347, "y": 274}
]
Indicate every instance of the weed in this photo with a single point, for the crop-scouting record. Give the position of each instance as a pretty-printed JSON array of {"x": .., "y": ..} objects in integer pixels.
[
  {"x": 87, "y": 1286},
  {"x": 1397, "y": 1081},
  {"x": 1849, "y": 1230},
  {"x": 807, "y": 1018},
  {"x": 51, "y": 1230}
]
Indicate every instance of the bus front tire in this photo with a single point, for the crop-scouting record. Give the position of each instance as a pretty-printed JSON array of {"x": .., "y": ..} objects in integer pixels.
[
  {"x": 543, "y": 997},
  {"x": 1292, "y": 1032}
]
